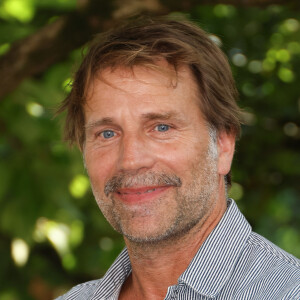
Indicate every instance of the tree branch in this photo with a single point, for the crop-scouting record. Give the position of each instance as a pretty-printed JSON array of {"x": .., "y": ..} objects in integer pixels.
[
  {"x": 54, "y": 42},
  {"x": 50, "y": 44}
]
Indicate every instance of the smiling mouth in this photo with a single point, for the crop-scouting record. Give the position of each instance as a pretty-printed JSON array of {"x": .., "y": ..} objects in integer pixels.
[
  {"x": 137, "y": 195},
  {"x": 136, "y": 191}
]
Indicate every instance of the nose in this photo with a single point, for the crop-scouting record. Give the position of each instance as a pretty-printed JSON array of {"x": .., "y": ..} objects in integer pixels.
[{"x": 135, "y": 153}]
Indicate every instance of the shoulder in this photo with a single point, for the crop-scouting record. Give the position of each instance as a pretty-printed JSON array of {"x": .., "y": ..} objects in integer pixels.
[
  {"x": 81, "y": 291},
  {"x": 105, "y": 287},
  {"x": 268, "y": 252},
  {"x": 267, "y": 270}
]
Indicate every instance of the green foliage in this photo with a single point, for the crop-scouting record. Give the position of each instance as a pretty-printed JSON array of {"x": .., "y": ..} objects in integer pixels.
[
  {"x": 264, "y": 50},
  {"x": 52, "y": 234}
]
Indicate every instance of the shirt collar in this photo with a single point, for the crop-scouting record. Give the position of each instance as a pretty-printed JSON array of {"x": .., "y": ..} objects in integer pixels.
[
  {"x": 215, "y": 260},
  {"x": 114, "y": 277}
]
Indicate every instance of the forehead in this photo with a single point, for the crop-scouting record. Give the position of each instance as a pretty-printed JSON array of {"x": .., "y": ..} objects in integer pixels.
[
  {"x": 122, "y": 95},
  {"x": 154, "y": 78}
]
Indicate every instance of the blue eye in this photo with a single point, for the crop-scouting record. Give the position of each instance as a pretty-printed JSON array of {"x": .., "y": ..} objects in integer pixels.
[
  {"x": 107, "y": 134},
  {"x": 162, "y": 127}
]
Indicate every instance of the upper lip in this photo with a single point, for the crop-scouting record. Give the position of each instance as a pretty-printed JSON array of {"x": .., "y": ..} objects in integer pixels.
[{"x": 138, "y": 190}]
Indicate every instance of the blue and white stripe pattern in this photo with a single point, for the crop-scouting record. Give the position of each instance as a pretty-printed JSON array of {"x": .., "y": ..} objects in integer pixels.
[{"x": 233, "y": 263}]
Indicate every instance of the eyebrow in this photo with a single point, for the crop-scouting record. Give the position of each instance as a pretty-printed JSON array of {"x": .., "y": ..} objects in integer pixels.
[
  {"x": 101, "y": 122},
  {"x": 146, "y": 116},
  {"x": 161, "y": 116}
]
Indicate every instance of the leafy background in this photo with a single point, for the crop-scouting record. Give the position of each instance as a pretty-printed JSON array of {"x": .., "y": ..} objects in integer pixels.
[{"x": 52, "y": 235}]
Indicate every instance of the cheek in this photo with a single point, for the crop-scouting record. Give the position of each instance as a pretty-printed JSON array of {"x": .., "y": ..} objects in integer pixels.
[
  {"x": 100, "y": 165},
  {"x": 179, "y": 157}
]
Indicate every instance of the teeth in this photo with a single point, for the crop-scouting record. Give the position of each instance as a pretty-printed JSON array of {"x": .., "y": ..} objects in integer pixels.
[
  {"x": 139, "y": 193},
  {"x": 148, "y": 191}
]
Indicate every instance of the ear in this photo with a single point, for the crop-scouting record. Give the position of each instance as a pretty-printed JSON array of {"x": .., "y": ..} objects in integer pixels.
[{"x": 226, "y": 144}]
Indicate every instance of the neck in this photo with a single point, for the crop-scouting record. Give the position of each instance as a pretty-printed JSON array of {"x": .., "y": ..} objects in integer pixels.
[{"x": 157, "y": 266}]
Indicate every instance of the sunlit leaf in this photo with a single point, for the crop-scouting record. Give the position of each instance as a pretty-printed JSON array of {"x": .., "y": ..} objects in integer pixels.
[{"x": 22, "y": 10}]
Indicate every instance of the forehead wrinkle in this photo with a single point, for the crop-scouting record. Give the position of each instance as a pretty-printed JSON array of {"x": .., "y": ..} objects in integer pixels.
[
  {"x": 164, "y": 75},
  {"x": 163, "y": 116}
]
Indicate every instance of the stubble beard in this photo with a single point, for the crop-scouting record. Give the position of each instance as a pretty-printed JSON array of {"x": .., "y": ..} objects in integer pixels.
[{"x": 194, "y": 202}]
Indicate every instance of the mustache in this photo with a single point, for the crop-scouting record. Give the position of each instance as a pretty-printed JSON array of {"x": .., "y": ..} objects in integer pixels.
[{"x": 126, "y": 180}]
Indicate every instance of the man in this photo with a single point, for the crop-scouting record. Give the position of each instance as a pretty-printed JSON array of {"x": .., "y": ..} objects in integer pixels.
[{"x": 153, "y": 110}]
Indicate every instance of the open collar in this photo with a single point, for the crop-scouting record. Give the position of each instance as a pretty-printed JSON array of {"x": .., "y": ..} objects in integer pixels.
[{"x": 208, "y": 271}]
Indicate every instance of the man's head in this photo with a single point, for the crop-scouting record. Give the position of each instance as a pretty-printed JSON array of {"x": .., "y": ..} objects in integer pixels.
[
  {"x": 155, "y": 166},
  {"x": 153, "y": 109}
]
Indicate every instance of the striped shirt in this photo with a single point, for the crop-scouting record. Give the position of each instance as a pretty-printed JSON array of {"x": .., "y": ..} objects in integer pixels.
[{"x": 232, "y": 263}]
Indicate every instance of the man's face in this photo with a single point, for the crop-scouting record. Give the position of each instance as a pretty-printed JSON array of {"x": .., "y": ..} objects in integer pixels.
[{"x": 152, "y": 164}]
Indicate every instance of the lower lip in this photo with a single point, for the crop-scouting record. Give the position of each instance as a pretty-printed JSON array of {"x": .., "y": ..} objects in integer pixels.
[{"x": 135, "y": 198}]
